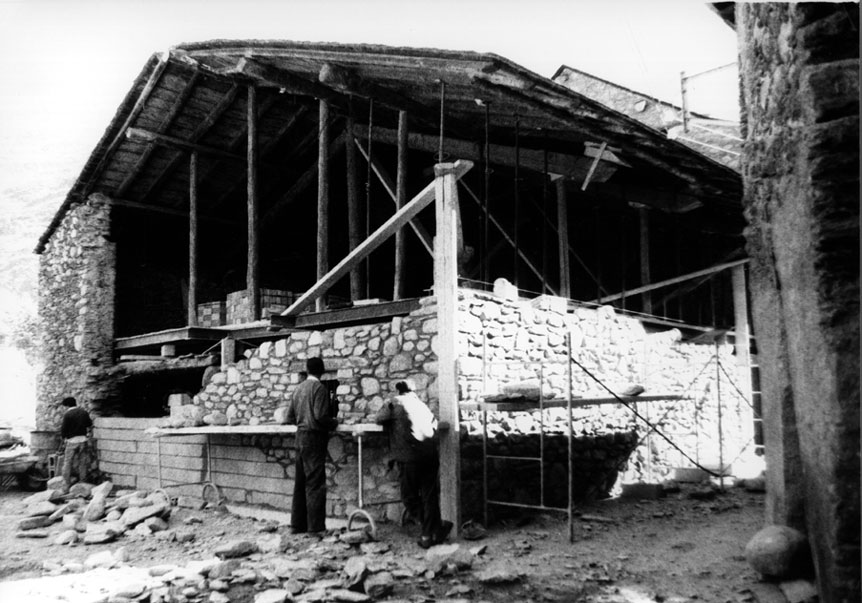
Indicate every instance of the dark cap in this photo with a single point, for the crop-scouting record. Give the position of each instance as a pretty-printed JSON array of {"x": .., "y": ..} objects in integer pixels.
[
  {"x": 69, "y": 401},
  {"x": 315, "y": 366}
]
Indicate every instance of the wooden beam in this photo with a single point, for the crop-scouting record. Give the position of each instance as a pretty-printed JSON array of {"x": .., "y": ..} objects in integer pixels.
[
  {"x": 151, "y": 84},
  {"x": 357, "y": 286},
  {"x": 193, "y": 241},
  {"x": 389, "y": 186},
  {"x": 322, "y": 196},
  {"x": 166, "y": 122},
  {"x": 363, "y": 314},
  {"x": 165, "y": 210},
  {"x": 348, "y": 81},
  {"x": 387, "y": 229},
  {"x": 672, "y": 281},
  {"x": 574, "y": 166},
  {"x": 252, "y": 274},
  {"x": 273, "y": 76},
  {"x": 643, "y": 215},
  {"x": 400, "y": 200},
  {"x": 141, "y": 135},
  {"x": 563, "y": 239},
  {"x": 510, "y": 240},
  {"x": 446, "y": 294},
  {"x": 202, "y": 128},
  {"x": 593, "y": 166}
]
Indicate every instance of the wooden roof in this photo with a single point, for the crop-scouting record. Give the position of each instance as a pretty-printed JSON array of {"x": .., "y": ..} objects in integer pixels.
[{"x": 194, "y": 96}]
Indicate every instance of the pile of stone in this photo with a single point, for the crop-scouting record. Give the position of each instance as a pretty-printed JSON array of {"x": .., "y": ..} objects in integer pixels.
[
  {"x": 344, "y": 566},
  {"x": 91, "y": 514}
]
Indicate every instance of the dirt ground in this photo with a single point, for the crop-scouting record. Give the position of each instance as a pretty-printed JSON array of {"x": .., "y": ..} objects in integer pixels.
[{"x": 674, "y": 549}]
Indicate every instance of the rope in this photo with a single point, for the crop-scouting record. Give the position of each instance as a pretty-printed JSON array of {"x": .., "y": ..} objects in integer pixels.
[
  {"x": 644, "y": 419},
  {"x": 738, "y": 391},
  {"x": 368, "y": 196}
]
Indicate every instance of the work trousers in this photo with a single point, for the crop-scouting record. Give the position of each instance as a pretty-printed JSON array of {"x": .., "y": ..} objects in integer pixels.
[
  {"x": 308, "y": 511},
  {"x": 420, "y": 491},
  {"x": 75, "y": 451}
]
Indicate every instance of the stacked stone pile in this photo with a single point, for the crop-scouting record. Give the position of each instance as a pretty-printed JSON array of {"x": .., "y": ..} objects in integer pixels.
[
  {"x": 90, "y": 514},
  {"x": 276, "y": 567}
]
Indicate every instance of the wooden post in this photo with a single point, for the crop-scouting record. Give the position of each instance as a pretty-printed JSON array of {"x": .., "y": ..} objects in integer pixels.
[
  {"x": 446, "y": 292},
  {"x": 322, "y": 198},
  {"x": 193, "y": 241},
  {"x": 400, "y": 200},
  {"x": 563, "y": 238},
  {"x": 643, "y": 214},
  {"x": 741, "y": 330},
  {"x": 357, "y": 287},
  {"x": 251, "y": 274},
  {"x": 228, "y": 351}
]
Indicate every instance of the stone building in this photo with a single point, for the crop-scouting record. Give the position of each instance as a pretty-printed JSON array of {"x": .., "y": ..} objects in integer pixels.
[
  {"x": 258, "y": 203},
  {"x": 718, "y": 139},
  {"x": 800, "y": 93}
]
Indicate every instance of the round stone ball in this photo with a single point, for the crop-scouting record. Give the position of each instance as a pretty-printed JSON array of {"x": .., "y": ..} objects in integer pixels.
[{"x": 777, "y": 551}]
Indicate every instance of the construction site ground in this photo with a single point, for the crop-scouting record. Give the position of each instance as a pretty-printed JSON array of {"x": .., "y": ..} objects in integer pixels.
[{"x": 686, "y": 546}]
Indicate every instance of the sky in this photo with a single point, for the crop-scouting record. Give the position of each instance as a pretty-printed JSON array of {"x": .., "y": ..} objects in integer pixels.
[{"x": 65, "y": 65}]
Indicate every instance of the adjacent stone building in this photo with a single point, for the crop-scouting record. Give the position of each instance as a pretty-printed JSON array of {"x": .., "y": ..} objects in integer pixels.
[{"x": 800, "y": 89}]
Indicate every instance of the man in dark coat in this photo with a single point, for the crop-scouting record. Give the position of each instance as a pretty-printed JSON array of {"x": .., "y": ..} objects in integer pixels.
[
  {"x": 75, "y": 430},
  {"x": 311, "y": 411},
  {"x": 413, "y": 445}
]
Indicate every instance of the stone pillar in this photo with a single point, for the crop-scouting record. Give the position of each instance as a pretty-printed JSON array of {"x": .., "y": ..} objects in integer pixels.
[
  {"x": 800, "y": 89},
  {"x": 76, "y": 312}
]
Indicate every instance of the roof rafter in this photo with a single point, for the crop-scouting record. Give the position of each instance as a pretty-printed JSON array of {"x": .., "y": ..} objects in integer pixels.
[
  {"x": 161, "y": 129},
  {"x": 202, "y": 128}
]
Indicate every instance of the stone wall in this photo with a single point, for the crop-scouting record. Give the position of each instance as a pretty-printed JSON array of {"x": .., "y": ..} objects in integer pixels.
[
  {"x": 76, "y": 312},
  {"x": 520, "y": 341},
  {"x": 800, "y": 91},
  {"x": 503, "y": 342}
]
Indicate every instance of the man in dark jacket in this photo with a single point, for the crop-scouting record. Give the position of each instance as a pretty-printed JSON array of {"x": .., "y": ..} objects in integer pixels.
[
  {"x": 311, "y": 411},
  {"x": 413, "y": 445},
  {"x": 75, "y": 430}
]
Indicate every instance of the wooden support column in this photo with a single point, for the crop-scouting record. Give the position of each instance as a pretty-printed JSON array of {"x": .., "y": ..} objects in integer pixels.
[
  {"x": 357, "y": 285},
  {"x": 252, "y": 270},
  {"x": 741, "y": 330},
  {"x": 446, "y": 293},
  {"x": 228, "y": 352},
  {"x": 643, "y": 214},
  {"x": 193, "y": 241},
  {"x": 400, "y": 200},
  {"x": 563, "y": 238},
  {"x": 322, "y": 198}
]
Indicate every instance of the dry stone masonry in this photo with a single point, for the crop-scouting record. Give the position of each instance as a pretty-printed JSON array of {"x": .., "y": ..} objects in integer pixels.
[{"x": 76, "y": 310}]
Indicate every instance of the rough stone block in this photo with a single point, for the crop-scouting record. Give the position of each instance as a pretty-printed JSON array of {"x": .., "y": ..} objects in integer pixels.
[{"x": 777, "y": 551}]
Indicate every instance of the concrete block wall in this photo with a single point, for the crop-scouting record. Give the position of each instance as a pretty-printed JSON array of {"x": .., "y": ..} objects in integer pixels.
[{"x": 251, "y": 469}]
